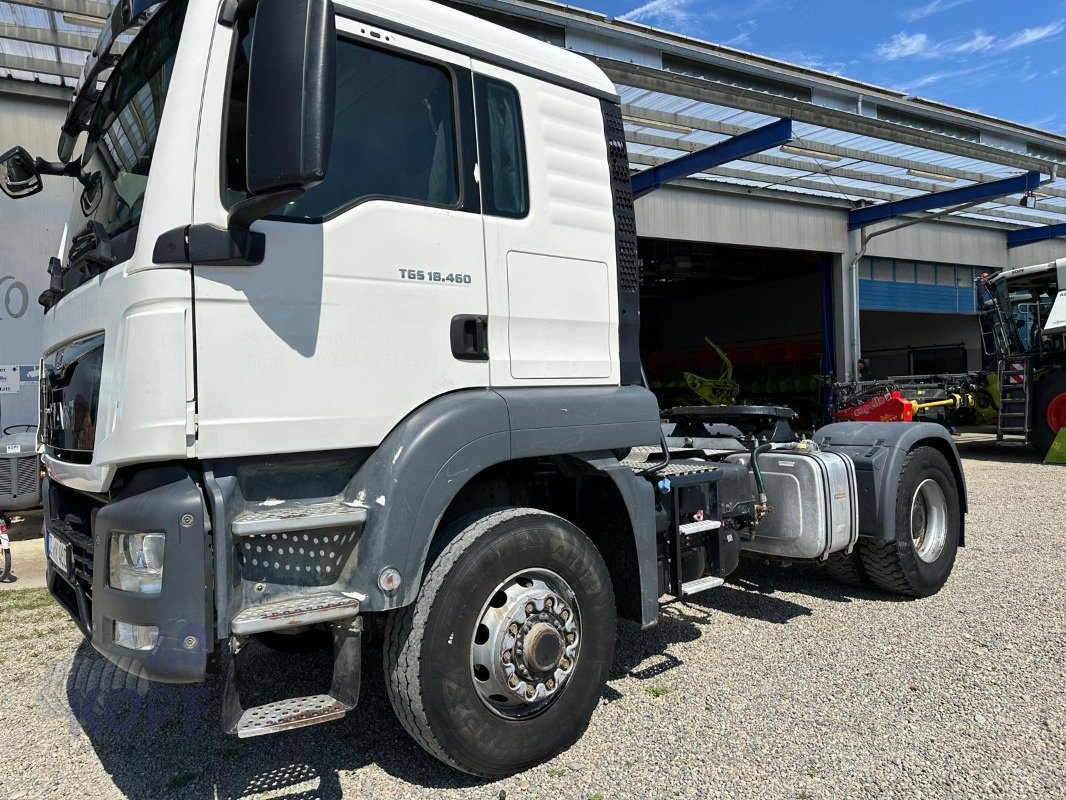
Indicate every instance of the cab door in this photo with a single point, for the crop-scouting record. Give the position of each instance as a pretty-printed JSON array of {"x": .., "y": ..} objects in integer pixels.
[
  {"x": 371, "y": 299},
  {"x": 549, "y": 232}
]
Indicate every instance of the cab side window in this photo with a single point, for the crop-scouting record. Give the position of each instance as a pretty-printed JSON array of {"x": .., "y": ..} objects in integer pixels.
[
  {"x": 502, "y": 146},
  {"x": 394, "y": 135}
]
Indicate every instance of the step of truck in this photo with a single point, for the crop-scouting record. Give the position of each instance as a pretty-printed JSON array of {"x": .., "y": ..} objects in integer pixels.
[
  {"x": 701, "y": 585},
  {"x": 702, "y": 526},
  {"x": 307, "y": 610},
  {"x": 285, "y": 715},
  {"x": 286, "y": 518}
]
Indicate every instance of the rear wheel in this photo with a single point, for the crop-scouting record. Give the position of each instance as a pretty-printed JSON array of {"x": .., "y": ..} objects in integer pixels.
[
  {"x": 918, "y": 561},
  {"x": 1049, "y": 410},
  {"x": 846, "y": 568},
  {"x": 501, "y": 661}
]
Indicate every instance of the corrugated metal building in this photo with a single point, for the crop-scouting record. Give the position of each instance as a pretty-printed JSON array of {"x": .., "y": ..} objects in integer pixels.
[{"x": 754, "y": 254}]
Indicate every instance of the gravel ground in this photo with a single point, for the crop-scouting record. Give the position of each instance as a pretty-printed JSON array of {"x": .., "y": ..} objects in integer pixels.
[{"x": 779, "y": 685}]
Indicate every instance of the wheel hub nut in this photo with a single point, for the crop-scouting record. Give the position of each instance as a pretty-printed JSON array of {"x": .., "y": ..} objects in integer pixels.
[{"x": 543, "y": 647}]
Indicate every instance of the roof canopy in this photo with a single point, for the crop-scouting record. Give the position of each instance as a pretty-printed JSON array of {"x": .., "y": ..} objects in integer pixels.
[{"x": 855, "y": 143}]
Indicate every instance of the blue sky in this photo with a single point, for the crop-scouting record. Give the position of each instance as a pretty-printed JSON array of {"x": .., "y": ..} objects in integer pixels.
[{"x": 1003, "y": 58}]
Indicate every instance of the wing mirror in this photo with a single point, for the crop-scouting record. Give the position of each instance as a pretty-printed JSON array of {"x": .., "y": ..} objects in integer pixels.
[
  {"x": 292, "y": 96},
  {"x": 19, "y": 177},
  {"x": 292, "y": 92}
]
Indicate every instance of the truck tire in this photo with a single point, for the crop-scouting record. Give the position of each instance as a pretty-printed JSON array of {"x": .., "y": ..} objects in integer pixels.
[
  {"x": 1049, "y": 410},
  {"x": 918, "y": 561},
  {"x": 500, "y": 662},
  {"x": 846, "y": 568}
]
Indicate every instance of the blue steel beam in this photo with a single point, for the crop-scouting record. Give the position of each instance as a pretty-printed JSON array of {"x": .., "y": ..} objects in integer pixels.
[
  {"x": 1030, "y": 235},
  {"x": 976, "y": 193},
  {"x": 746, "y": 144}
]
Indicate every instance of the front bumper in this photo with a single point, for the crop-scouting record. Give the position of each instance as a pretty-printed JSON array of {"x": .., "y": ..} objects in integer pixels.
[{"x": 166, "y": 500}]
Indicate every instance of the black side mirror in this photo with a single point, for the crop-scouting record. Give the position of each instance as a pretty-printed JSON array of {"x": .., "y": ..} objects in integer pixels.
[
  {"x": 18, "y": 174},
  {"x": 292, "y": 93}
]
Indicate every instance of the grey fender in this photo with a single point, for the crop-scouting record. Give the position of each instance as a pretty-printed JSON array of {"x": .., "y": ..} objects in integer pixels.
[
  {"x": 879, "y": 450},
  {"x": 412, "y": 477}
]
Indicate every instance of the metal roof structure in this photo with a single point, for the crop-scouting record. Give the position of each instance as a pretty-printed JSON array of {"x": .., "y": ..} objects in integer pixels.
[{"x": 856, "y": 144}]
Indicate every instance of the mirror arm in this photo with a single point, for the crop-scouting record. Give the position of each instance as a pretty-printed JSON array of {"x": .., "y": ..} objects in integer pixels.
[
  {"x": 68, "y": 170},
  {"x": 71, "y": 169},
  {"x": 244, "y": 213}
]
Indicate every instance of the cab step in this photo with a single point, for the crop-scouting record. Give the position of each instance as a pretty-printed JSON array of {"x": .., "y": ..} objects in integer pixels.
[
  {"x": 286, "y": 518},
  {"x": 701, "y": 585},
  {"x": 285, "y": 715},
  {"x": 297, "y": 611},
  {"x": 297, "y": 712}
]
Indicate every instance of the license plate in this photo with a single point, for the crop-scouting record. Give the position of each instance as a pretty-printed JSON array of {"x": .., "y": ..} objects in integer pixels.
[{"x": 59, "y": 553}]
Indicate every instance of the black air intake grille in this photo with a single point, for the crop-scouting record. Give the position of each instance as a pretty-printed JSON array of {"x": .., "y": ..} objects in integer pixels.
[
  {"x": 622, "y": 188},
  {"x": 7, "y": 487}
]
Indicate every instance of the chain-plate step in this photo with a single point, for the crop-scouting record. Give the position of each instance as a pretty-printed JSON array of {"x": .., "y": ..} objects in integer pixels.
[
  {"x": 306, "y": 610},
  {"x": 286, "y": 518},
  {"x": 701, "y": 585},
  {"x": 285, "y": 715}
]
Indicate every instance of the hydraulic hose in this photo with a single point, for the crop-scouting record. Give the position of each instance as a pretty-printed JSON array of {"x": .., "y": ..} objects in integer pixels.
[{"x": 757, "y": 472}]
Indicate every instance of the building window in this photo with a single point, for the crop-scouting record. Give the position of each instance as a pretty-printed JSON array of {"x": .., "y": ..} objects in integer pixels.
[
  {"x": 904, "y": 272},
  {"x": 926, "y": 274},
  {"x": 945, "y": 276},
  {"x": 883, "y": 270},
  {"x": 502, "y": 146}
]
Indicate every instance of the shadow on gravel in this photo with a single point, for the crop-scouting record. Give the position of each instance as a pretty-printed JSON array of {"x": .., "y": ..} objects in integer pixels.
[
  {"x": 756, "y": 583},
  {"x": 157, "y": 740},
  {"x": 997, "y": 453}
]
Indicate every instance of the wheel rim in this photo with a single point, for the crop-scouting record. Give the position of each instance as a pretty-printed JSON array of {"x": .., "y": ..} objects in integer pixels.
[
  {"x": 929, "y": 520},
  {"x": 1056, "y": 413},
  {"x": 526, "y": 643}
]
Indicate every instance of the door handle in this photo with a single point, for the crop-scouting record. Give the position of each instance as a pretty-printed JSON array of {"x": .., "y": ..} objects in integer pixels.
[{"x": 470, "y": 338}]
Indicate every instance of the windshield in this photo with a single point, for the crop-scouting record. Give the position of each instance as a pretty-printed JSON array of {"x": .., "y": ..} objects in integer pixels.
[
  {"x": 122, "y": 135},
  {"x": 1025, "y": 304}
]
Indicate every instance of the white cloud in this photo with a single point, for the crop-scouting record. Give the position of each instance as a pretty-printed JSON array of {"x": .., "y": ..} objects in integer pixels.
[
  {"x": 934, "y": 7},
  {"x": 745, "y": 30},
  {"x": 666, "y": 13},
  {"x": 920, "y": 45},
  {"x": 978, "y": 43},
  {"x": 903, "y": 45},
  {"x": 972, "y": 74},
  {"x": 1033, "y": 35}
]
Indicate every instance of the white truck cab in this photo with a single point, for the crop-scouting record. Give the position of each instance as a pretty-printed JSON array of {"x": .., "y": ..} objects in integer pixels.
[{"x": 345, "y": 329}]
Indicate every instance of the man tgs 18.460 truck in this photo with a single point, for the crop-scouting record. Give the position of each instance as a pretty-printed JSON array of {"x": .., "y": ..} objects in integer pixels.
[{"x": 346, "y": 328}]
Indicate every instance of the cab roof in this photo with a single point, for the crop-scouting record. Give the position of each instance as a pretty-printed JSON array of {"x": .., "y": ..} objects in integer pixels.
[{"x": 474, "y": 34}]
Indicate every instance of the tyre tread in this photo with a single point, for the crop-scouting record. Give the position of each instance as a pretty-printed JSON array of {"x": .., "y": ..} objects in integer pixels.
[{"x": 406, "y": 630}]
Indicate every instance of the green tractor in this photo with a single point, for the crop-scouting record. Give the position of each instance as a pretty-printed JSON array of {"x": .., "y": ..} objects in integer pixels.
[{"x": 1023, "y": 320}]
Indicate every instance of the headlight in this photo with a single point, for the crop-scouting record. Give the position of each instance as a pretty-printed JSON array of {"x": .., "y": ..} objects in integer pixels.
[{"x": 137, "y": 562}]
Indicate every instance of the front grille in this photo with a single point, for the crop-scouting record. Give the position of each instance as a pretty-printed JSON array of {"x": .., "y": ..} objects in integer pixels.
[
  {"x": 70, "y": 395},
  {"x": 19, "y": 477},
  {"x": 28, "y": 475}
]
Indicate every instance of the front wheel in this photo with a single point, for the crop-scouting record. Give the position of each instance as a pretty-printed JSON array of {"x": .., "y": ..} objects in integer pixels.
[
  {"x": 918, "y": 561},
  {"x": 503, "y": 657},
  {"x": 1049, "y": 411}
]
